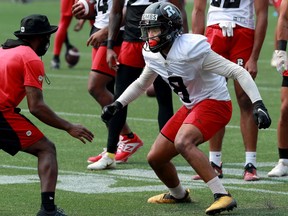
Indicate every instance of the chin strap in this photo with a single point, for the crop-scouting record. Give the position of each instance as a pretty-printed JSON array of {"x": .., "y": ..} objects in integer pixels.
[{"x": 11, "y": 43}]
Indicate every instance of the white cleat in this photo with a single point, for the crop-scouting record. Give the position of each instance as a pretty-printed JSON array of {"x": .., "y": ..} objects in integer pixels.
[
  {"x": 281, "y": 169},
  {"x": 104, "y": 163}
]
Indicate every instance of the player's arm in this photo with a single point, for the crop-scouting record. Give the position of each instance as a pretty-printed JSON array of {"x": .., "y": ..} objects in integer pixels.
[
  {"x": 181, "y": 5},
  {"x": 261, "y": 11},
  {"x": 198, "y": 17},
  {"x": 282, "y": 37},
  {"x": 115, "y": 20},
  {"x": 138, "y": 87},
  {"x": 217, "y": 64},
  {"x": 134, "y": 90},
  {"x": 44, "y": 113},
  {"x": 282, "y": 25}
]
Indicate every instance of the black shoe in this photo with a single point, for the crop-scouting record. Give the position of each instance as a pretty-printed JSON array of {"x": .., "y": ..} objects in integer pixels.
[
  {"x": 56, "y": 212},
  {"x": 55, "y": 64}
]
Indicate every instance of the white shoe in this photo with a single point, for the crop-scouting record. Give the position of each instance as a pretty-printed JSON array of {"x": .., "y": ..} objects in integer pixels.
[
  {"x": 279, "y": 170},
  {"x": 104, "y": 163}
]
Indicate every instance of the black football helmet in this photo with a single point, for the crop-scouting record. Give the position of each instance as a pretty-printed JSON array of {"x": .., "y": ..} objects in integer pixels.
[{"x": 168, "y": 18}]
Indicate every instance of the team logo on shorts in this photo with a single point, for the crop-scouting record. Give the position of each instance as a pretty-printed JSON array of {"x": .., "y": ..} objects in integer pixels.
[
  {"x": 40, "y": 78},
  {"x": 28, "y": 133}
]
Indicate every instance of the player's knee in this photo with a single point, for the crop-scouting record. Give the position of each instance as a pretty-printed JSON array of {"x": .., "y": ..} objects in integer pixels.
[
  {"x": 284, "y": 111},
  {"x": 185, "y": 144},
  {"x": 153, "y": 159}
]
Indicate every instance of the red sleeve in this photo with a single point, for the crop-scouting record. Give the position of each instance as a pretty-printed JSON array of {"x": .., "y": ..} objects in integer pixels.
[{"x": 34, "y": 74}]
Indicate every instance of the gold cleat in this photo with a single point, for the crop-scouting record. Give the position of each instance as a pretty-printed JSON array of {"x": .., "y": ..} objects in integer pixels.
[
  {"x": 167, "y": 198},
  {"x": 222, "y": 202}
]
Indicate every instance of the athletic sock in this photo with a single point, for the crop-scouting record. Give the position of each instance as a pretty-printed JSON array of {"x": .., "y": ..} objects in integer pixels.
[
  {"x": 216, "y": 186},
  {"x": 250, "y": 158},
  {"x": 111, "y": 155},
  {"x": 178, "y": 192},
  {"x": 215, "y": 157},
  {"x": 48, "y": 200}
]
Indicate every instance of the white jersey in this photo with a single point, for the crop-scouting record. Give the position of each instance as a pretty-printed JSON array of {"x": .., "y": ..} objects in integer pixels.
[
  {"x": 241, "y": 12},
  {"x": 102, "y": 10},
  {"x": 182, "y": 70},
  {"x": 192, "y": 69}
]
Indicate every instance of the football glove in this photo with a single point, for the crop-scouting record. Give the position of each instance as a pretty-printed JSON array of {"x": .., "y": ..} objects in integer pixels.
[
  {"x": 110, "y": 110},
  {"x": 227, "y": 28},
  {"x": 261, "y": 115},
  {"x": 281, "y": 61}
]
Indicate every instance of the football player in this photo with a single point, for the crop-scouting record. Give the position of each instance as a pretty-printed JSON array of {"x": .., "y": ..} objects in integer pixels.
[
  {"x": 234, "y": 32},
  {"x": 281, "y": 169},
  {"x": 198, "y": 76}
]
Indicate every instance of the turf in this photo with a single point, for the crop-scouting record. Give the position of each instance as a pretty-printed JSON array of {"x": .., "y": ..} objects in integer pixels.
[{"x": 124, "y": 191}]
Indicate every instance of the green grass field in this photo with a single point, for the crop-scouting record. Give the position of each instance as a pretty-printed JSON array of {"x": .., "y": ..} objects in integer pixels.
[{"x": 125, "y": 190}]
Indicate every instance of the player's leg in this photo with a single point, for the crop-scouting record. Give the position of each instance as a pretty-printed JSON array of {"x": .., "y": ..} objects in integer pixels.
[
  {"x": 61, "y": 34},
  {"x": 159, "y": 158},
  {"x": 219, "y": 44},
  {"x": 281, "y": 169},
  {"x": 45, "y": 151},
  {"x": 240, "y": 54},
  {"x": 14, "y": 140},
  {"x": 125, "y": 76},
  {"x": 165, "y": 102}
]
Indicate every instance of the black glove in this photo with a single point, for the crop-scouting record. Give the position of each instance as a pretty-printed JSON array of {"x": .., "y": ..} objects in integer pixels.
[
  {"x": 261, "y": 115},
  {"x": 110, "y": 110}
]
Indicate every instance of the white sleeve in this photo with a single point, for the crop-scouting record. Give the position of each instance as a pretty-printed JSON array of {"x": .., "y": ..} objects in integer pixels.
[
  {"x": 217, "y": 64},
  {"x": 138, "y": 87}
]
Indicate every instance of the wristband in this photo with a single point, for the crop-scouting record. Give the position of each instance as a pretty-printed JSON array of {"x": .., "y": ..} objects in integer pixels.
[
  {"x": 282, "y": 45},
  {"x": 110, "y": 44}
]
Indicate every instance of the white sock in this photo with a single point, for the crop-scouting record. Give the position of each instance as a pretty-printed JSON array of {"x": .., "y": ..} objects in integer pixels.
[
  {"x": 251, "y": 158},
  {"x": 215, "y": 157},
  {"x": 284, "y": 161},
  {"x": 178, "y": 192},
  {"x": 216, "y": 186}
]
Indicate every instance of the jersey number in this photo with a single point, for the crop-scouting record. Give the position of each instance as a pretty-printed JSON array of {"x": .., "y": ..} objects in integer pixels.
[
  {"x": 103, "y": 7},
  {"x": 179, "y": 88},
  {"x": 227, "y": 3}
]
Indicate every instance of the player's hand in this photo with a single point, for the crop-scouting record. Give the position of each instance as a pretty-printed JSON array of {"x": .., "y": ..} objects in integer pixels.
[
  {"x": 112, "y": 59},
  {"x": 97, "y": 38},
  {"x": 80, "y": 132},
  {"x": 261, "y": 115},
  {"x": 78, "y": 10},
  {"x": 110, "y": 110},
  {"x": 281, "y": 61}
]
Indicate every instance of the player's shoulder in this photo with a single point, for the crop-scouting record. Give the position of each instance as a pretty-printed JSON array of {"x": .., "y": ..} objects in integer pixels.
[{"x": 191, "y": 45}]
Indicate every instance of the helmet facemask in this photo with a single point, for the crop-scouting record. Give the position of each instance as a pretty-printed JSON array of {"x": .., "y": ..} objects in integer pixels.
[{"x": 158, "y": 42}]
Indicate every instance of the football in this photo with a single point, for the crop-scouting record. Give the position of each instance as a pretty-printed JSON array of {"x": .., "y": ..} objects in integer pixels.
[
  {"x": 72, "y": 57},
  {"x": 89, "y": 9}
]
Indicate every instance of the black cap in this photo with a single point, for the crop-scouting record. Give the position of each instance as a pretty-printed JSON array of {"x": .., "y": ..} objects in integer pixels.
[{"x": 35, "y": 24}]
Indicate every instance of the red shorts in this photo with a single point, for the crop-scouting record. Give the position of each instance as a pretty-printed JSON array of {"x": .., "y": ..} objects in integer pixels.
[
  {"x": 209, "y": 116},
  {"x": 66, "y": 7},
  {"x": 237, "y": 48},
  {"x": 131, "y": 54},
  {"x": 19, "y": 132},
  {"x": 277, "y": 3},
  {"x": 99, "y": 62}
]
